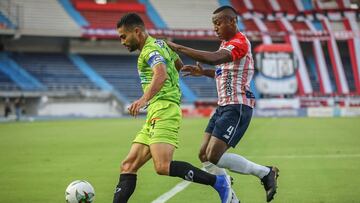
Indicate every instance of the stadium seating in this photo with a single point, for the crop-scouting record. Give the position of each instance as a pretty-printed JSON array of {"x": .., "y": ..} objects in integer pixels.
[
  {"x": 262, "y": 6},
  {"x": 287, "y": 6},
  {"x": 6, "y": 84},
  {"x": 120, "y": 71},
  {"x": 204, "y": 87},
  {"x": 5, "y": 22},
  {"x": 53, "y": 70},
  {"x": 311, "y": 68},
  {"x": 46, "y": 18},
  {"x": 339, "y": 70},
  {"x": 107, "y": 15},
  {"x": 186, "y": 14}
]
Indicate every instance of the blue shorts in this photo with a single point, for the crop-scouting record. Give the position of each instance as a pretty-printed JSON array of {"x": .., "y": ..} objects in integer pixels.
[{"x": 230, "y": 122}]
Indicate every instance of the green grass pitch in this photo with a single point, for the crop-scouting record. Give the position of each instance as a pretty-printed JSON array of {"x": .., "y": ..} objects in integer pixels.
[{"x": 318, "y": 158}]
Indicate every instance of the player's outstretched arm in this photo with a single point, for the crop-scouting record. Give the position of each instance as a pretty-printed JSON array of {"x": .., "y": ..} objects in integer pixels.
[
  {"x": 212, "y": 58},
  {"x": 157, "y": 82},
  {"x": 197, "y": 70}
]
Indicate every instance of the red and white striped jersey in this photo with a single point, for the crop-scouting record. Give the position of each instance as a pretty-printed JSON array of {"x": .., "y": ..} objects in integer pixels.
[{"x": 233, "y": 78}]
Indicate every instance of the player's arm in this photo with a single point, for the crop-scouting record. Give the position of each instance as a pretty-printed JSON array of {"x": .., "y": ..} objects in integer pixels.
[
  {"x": 159, "y": 77},
  {"x": 179, "y": 64},
  {"x": 212, "y": 58},
  {"x": 197, "y": 70},
  {"x": 157, "y": 82}
]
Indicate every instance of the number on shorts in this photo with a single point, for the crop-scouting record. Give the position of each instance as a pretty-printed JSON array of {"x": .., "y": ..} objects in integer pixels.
[{"x": 230, "y": 129}]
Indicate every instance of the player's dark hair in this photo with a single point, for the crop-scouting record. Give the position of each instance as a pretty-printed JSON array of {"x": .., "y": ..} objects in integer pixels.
[
  {"x": 218, "y": 10},
  {"x": 130, "y": 20}
]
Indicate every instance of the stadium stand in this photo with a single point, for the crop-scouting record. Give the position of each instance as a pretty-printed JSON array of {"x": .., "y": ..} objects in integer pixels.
[
  {"x": 288, "y": 6},
  {"x": 53, "y": 70},
  {"x": 107, "y": 15},
  {"x": 46, "y": 18},
  {"x": 203, "y": 87},
  {"x": 178, "y": 15},
  {"x": 323, "y": 35},
  {"x": 120, "y": 71},
  {"x": 310, "y": 64},
  {"x": 5, "y": 22},
  {"x": 20, "y": 76},
  {"x": 6, "y": 84}
]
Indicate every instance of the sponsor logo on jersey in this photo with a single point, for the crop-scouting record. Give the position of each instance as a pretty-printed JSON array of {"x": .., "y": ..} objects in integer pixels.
[
  {"x": 160, "y": 43},
  {"x": 228, "y": 84},
  {"x": 230, "y": 47},
  {"x": 218, "y": 71}
]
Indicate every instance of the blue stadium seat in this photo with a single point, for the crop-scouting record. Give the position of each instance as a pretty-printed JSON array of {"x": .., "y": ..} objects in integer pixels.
[
  {"x": 53, "y": 70},
  {"x": 120, "y": 71},
  {"x": 204, "y": 87},
  {"x": 6, "y": 84}
]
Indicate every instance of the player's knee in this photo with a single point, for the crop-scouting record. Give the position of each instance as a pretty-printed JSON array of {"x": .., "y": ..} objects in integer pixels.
[
  {"x": 127, "y": 167},
  {"x": 202, "y": 156},
  {"x": 162, "y": 168},
  {"x": 212, "y": 157}
]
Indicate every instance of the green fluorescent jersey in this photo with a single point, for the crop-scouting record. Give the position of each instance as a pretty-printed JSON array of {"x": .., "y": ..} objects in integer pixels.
[{"x": 154, "y": 52}]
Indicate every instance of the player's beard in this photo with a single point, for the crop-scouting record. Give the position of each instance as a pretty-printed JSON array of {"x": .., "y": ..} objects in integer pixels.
[{"x": 133, "y": 45}]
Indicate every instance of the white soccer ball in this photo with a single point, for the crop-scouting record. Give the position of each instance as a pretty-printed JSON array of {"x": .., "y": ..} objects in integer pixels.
[{"x": 80, "y": 191}]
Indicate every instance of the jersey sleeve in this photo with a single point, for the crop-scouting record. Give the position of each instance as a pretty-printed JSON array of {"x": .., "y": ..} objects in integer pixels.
[
  {"x": 154, "y": 57},
  {"x": 238, "y": 48},
  {"x": 174, "y": 56}
]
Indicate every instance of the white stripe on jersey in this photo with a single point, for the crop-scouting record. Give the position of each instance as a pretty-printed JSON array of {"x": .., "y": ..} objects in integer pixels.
[{"x": 233, "y": 78}]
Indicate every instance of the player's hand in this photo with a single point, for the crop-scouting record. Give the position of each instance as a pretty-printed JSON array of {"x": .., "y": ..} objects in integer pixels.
[
  {"x": 136, "y": 106},
  {"x": 193, "y": 70}
]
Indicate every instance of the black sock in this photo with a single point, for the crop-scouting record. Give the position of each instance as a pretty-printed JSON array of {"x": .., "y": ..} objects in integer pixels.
[
  {"x": 125, "y": 188},
  {"x": 189, "y": 172}
]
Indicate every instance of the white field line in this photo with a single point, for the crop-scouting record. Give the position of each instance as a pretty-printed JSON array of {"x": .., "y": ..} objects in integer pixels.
[
  {"x": 183, "y": 184},
  {"x": 169, "y": 194}
]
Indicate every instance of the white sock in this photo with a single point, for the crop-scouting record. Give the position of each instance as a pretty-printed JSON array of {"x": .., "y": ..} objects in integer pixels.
[
  {"x": 239, "y": 164},
  {"x": 213, "y": 169}
]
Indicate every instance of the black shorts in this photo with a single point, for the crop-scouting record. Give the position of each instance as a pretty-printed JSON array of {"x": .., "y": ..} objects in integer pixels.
[{"x": 230, "y": 122}]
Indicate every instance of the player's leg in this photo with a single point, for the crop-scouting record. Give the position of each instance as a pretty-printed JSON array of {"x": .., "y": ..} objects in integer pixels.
[
  {"x": 228, "y": 131},
  {"x": 166, "y": 118},
  {"x": 164, "y": 165},
  {"x": 165, "y": 123},
  {"x": 138, "y": 155},
  {"x": 208, "y": 166},
  {"x": 162, "y": 154}
]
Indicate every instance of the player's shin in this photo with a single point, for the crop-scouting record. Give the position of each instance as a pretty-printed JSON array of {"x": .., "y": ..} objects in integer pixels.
[
  {"x": 239, "y": 164},
  {"x": 213, "y": 169},
  {"x": 189, "y": 172},
  {"x": 125, "y": 188}
]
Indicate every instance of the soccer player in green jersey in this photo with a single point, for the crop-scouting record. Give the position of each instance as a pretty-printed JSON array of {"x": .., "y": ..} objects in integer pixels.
[{"x": 158, "y": 68}]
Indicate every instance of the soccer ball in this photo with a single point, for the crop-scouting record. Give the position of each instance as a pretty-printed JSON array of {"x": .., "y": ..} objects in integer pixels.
[{"x": 80, "y": 191}]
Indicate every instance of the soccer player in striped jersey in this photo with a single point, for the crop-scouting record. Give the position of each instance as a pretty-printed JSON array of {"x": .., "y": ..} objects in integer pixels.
[
  {"x": 233, "y": 73},
  {"x": 158, "y": 67}
]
